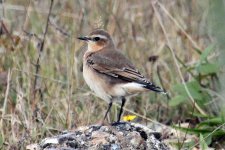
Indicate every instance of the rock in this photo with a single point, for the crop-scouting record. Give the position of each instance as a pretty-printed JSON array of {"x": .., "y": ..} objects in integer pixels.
[{"x": 119, "y": 136}]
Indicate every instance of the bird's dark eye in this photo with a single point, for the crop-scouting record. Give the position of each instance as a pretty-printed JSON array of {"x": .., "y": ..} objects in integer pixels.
[{"x": 96, "y": 38}]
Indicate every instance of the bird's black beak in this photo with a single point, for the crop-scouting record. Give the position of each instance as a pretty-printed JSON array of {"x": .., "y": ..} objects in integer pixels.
[{"x": 85, "y": 38}]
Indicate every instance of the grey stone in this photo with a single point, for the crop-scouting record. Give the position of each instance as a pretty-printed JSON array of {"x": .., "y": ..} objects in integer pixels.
[{"x": 117, "y": 137}]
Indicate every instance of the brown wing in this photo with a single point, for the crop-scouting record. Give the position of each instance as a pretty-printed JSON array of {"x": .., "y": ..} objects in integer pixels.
[{"x": 118, "y": 66}]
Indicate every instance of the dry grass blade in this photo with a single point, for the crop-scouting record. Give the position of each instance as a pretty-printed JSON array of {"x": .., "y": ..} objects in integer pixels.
[
  {"x": 219, "y": 127},
  {"x": 4, "y": 107},
  {"x": 178, "y": 25},
  {"x": 176, "y": 62},
  {"x": 163, "y": 39}
]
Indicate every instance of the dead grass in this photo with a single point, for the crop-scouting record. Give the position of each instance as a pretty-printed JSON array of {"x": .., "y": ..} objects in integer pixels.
[{"x": 62, "y": 100}]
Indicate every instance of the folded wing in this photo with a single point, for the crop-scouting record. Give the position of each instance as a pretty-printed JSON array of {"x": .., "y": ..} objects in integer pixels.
[{"x": 121, "y": 69}]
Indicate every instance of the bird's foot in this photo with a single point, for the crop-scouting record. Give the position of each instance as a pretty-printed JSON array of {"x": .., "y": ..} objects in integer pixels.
[{"x": 118, "y": 123}]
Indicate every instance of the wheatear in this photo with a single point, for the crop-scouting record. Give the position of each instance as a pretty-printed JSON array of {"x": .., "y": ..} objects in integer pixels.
[{"x": 109, "y": 73}]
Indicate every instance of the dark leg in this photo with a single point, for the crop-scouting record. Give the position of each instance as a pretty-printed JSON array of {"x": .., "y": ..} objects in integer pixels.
[
  {"x": 109, "y": 107},
  {"x": 121, "y": 108}
]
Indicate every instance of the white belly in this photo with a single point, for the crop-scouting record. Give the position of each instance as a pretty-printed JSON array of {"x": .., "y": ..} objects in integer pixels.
[{"x": 95, "y": 83}]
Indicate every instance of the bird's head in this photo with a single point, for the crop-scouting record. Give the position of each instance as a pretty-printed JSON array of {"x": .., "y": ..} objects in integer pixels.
[{"x": 97, "y": 40}]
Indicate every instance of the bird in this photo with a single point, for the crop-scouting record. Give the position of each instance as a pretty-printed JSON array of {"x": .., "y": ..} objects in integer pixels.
[{"x": 109, "y": 73}]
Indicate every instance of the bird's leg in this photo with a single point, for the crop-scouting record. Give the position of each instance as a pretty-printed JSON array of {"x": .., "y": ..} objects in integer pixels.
[
  {"x": 109, "y": 107},
  {"x": 121, "y": 108}
]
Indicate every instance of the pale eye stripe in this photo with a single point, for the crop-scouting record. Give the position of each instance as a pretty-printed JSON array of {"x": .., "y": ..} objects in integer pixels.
[{"x": 100, "y": 36}]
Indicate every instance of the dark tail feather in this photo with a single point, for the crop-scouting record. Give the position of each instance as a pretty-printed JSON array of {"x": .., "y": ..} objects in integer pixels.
[{"x": 155, "y": 88}]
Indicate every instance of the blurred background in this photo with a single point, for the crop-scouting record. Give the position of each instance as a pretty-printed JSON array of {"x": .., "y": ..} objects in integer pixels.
[{"x": 177, "y": 44}]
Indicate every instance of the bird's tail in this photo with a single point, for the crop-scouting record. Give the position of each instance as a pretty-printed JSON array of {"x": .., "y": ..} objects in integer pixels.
[{"x": 155, "y": 88}]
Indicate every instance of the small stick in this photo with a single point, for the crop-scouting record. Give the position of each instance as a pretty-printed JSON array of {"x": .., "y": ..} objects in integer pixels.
[{"x": 39, "y": 56}]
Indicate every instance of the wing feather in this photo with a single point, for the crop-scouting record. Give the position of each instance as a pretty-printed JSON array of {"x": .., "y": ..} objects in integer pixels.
[{"x": 124, "y": 71}]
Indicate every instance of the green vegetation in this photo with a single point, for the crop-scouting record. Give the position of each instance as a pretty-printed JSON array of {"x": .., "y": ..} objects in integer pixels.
[{"x": 177, "y": 44}]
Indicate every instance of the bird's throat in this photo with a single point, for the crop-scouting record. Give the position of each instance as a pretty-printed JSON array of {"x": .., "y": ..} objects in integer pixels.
[{"x": 93, "y": 47}]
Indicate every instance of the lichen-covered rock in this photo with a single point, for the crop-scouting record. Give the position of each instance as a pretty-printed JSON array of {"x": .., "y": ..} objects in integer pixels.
[{"x": 120, "y": 136}]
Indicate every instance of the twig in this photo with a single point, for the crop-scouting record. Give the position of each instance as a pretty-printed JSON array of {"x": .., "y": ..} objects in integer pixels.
[
  {"x": 39, "y": 56},
  {"x": 6, "y": 31},
  {"x": 59, "y": 29},
  {"x": 30, "y": 35},
  {"x": 3, "y": 9}
]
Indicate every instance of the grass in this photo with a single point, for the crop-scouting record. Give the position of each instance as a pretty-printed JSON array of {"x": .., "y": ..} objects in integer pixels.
[{"x": 176, "y": 32}]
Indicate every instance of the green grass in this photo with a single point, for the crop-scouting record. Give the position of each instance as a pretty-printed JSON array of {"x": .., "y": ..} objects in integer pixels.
[{"x": 62, "y": 99}]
